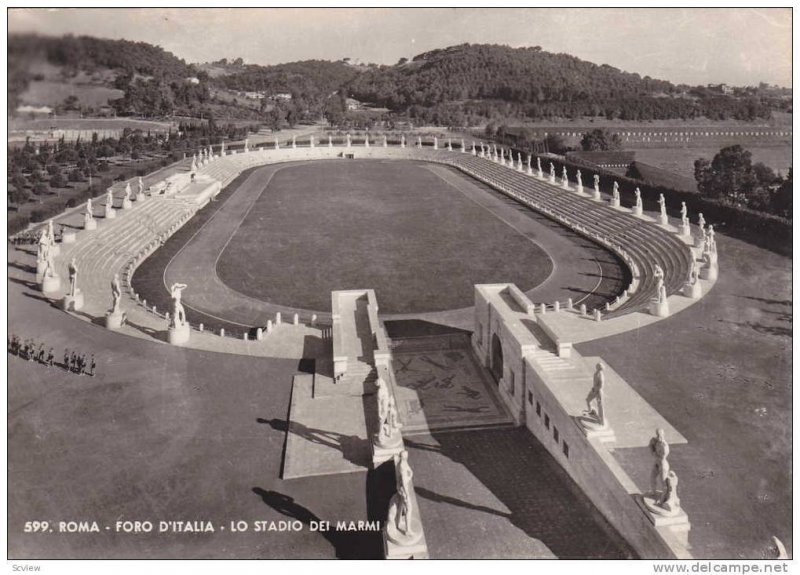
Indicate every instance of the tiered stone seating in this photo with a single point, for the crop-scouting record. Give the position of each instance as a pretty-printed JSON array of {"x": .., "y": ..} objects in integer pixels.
[
  {"x": 646, "y": 244},
  {"x": 102, "y": 253}
]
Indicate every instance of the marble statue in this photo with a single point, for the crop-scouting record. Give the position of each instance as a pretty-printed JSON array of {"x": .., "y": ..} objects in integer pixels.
[
  {"x": 89, "y": 210},
  {"x": 349, "y": 141},
  {"x": 276, "y": 144},
  {"x": 615, "y": 194},
  {"x": 539, "y": 166},
  {"x": 596, "y": 396},
  {"x": 311, "y": 141},
  {"x": 658, "y": 274},
  {"x": 419, "y": 141},
  {"x": 73, "y": 277},
  {"x": 638, "y": 194},
  {"x": 246, "y": 145},
  {"x": 564, "y": 177},
  {"x": 580, "y": 180},
  {"x": 449, "y": 145},
  {"x": 330, "y": 141},
  {"x": 701, "y": 221},
  {"x": 463, "y": 148},
  {"x": 127, "y": 195},
  {"x": 684, "y": 212},
  {"x": 178, "y": 317},
  {"x": 389, "y": 422},
  {"x": 366, "y": 140},
  {"x": 294, "y": 141},
  {"x": 44, "y": 246},
  {"x": 552, "y": 172},
  {"x": 51, "y": 235},
  {"x": 116, "y": 295},
  {"x": 694, "y": 273},
  {"x": 662, "y": 204},
  {"x": 385, "y": 141},
  {"x": 658, "y": 475},
  {"x": 141, "y": 185},
  {"x": 405, "y": 509},
  {"x": 194, "y": 163},
  {"x": 222, "y": 148},
  {"x": 109, "y": 198},
  {"x": 669, "y": 500},
  {"x": 382, "y": 397},
  {"x": 435, "y": 143},
  {"x": 402, "y": 140}
]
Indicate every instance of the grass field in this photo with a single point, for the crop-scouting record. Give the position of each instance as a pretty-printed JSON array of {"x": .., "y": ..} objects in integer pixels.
[
  {"x": 681, "y": 160},
  {"x": 85, "y": 124},
  {"x": 46, "y": 92},
  {"x": 392, "y": 226}
]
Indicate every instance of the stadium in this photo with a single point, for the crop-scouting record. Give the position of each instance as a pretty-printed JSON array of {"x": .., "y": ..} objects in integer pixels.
[{"x": 249, "y": 300}]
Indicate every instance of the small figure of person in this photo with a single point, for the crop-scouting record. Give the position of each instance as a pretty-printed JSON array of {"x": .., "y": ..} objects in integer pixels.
[
  {"x": 50, "y": 358},
  {"x": 83, "y": 364},
  {"x": 66, "y": 359},
  {"x": 93, "y": 366}
]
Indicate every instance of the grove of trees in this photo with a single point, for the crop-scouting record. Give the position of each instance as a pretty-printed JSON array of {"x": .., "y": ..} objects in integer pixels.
[{"x": 733, "y": 178}]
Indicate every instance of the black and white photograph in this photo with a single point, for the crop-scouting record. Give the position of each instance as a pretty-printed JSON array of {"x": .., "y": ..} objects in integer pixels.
[{"x": 311, "y": 283}]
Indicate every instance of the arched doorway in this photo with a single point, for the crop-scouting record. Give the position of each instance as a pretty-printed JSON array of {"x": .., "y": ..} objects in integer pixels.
[{"x": 497, "y": 358}]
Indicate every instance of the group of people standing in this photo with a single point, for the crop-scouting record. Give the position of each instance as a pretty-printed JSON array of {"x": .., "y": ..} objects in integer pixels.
[{"x": 31, "y": 350}]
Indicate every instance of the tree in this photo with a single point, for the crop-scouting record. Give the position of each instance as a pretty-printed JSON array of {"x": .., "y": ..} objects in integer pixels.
[
  {"x": 57, "y": 180},
  {"x": 18, "y": 195},
  {"x": 556, "y": 144},
  {"x": 599, "y": 140},
  {"x": 781, "y": 200},
  {"x": 729, "y": 176}
]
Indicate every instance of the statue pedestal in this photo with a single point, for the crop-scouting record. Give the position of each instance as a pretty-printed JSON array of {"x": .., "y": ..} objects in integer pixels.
[
  {"x": 398, "y": 545},
  {"x": 179, "y": 335},
  {"x": 110, "y": 213},
  {"x": 663, "y": 219},
  {"x": 115, "y": 320},
  {"x": 73, "y": 303},
  {"x": 699, "y": 241},
  {"x": 68, "y": 238},
  {"x": 126, "y": 204},
  {"x": 40, "y": 268},
  {"x": 614, "y": 202},
  {"x": 675, "y": 520},
  {"x": 90, "y": 224},
  {"x": 50, "y": 284},
  {"x": 593, "y": 429},
  {"x": 694, "y": 291},
  {"x": 579, "y": 190},
  {"x": 659, "y": 309},
  {"x": 55, "y": 249},
  {"x": 686, "y": 230},
  {"x": 596, "y": 195},
  {"x": 552, "y": 180},
  {"x": 565, "y": 184},
  {"x": 637, "y": 210},
  {"x": 709, "y": 272},
  {"x": 384, "y": 451}
]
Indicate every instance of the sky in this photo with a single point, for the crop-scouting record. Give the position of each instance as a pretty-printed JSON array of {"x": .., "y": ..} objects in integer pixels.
[{"x": 737, "y": 46}]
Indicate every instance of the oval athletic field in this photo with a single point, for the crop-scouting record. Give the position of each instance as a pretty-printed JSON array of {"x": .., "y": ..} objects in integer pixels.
[{"x": 420, "y": 234}]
